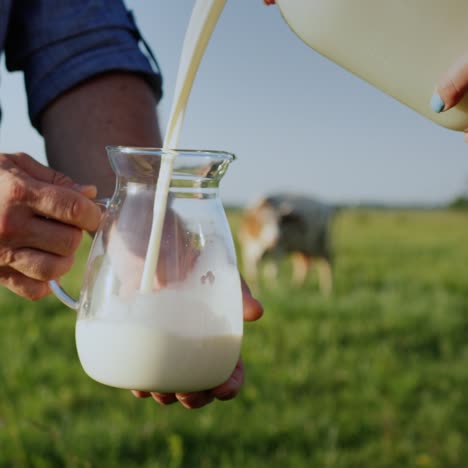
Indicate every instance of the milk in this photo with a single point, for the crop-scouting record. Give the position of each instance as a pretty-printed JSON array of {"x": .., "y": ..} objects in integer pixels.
[
  {"x": 204, "y": 17},
  {"x": 185, "y": 337},
  {"x": 141, "y": 356},
  {"x": 402, "y": 47}
]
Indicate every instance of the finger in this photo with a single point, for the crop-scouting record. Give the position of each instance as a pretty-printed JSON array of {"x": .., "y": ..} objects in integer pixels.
[
  {"x": 253, "y": 309},
  {"x": 23, "y": 286},
  {"x": 36, "y": 264},
  {"x": 232, "y": 386},
  {"x": 139, "y": 394},
  {"x": 164, "y": 398},
  {"x": 51, "y": 201},
  {"x": 50, "y": 176},
  {"x": 452, "y": 87},
  {"x": 49, "y": 236},
  {"x": 194, "y": 400},
  {"x": 65, "y": 205}
]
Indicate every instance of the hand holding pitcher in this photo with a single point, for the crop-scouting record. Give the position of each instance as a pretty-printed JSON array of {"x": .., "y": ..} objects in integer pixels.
[{"x": 185, "y": 335}]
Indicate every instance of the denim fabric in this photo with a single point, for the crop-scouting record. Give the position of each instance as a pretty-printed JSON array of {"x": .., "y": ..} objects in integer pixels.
[{"x": 60, "y": 43}]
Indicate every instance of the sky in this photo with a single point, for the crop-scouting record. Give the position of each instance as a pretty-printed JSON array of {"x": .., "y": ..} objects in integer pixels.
[{"x": 296, "y": 121}]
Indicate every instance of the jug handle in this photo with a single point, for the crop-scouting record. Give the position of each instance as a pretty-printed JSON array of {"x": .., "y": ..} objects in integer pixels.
[{"x": 58, "y": 291}]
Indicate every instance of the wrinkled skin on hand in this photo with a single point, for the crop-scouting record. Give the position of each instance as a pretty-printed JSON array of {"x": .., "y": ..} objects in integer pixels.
[{"x": 42, "y": 216}]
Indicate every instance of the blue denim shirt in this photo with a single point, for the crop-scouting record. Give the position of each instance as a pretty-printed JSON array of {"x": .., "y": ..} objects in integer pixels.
[{"x": 59, "y": 43}]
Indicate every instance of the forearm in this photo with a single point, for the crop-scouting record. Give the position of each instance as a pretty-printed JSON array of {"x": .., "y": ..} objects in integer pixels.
[{"x": 111, "y": 109}]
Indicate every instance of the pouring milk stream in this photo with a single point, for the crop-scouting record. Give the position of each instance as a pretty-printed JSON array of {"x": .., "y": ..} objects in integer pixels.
[{"x": 202, "y": 23}]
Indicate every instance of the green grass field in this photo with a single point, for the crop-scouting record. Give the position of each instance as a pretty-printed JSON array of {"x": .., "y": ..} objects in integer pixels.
[{"x": 375, "y": 376}]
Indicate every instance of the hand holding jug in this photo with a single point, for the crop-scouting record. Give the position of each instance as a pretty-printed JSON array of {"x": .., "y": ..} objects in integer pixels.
[
  {"x": 185, "y": 334},
  {"x": 401, "y": 48}
]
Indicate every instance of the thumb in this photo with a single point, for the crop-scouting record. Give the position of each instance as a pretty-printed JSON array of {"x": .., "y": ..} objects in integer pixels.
[
  {"x": 50, "y": 176},
  {"x": 253, "y": 309},
  {"x": 452, "y": 87}
]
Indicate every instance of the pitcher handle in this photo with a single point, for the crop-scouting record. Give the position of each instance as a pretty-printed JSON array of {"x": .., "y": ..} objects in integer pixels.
[{"x": 57, "y": 290}]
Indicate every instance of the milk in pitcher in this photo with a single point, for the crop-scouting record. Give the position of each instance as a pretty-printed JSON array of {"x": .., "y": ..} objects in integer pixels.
[{"x": 173, "y": 340}]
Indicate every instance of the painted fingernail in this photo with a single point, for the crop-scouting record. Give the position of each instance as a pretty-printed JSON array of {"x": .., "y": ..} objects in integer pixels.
[{"x": 437, "y": 103}]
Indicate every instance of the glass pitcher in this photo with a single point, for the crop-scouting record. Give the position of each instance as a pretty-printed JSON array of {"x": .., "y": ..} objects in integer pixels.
[{"x": 185, "y": 334}]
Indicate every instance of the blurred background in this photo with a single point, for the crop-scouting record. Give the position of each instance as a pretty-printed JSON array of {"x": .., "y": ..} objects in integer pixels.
[{"x": 375, "y": 375}]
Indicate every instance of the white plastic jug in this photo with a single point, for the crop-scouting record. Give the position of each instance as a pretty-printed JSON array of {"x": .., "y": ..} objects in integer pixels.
[{"x": 402, "y": 47}]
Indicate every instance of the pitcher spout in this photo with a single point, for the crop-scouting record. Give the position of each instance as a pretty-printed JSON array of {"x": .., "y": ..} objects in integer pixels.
[{"x": 141, "y": 165}]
